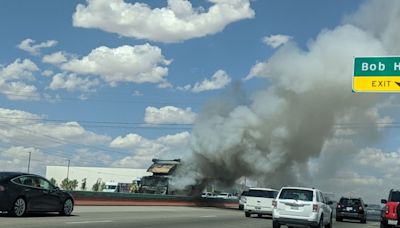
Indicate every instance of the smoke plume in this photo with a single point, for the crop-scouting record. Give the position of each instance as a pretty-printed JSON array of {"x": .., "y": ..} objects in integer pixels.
[{"x": 273, "y": 134}]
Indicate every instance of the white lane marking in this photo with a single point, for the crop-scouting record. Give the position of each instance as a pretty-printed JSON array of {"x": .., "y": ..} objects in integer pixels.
[
  {"x": 89, "y": 222},
  {"x": 208, "y": 216}
]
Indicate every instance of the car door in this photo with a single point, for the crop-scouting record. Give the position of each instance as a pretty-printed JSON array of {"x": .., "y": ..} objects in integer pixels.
[
  {"x": 31, "y": 192},
  {"x": 49, "y": 199}
]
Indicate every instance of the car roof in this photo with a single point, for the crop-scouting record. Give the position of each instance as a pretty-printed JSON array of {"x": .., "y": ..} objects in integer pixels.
[
  {"x": 300, "y": 188},
  {"x": 263, "y": 189}
]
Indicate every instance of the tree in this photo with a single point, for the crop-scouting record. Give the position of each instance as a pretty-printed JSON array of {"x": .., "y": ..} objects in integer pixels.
[
  {"x": 96, "y": 186},
  {"x": 69, "y": 185},
  {"x": 53, "y": 181},
  {"x": 83, "y": 184}
]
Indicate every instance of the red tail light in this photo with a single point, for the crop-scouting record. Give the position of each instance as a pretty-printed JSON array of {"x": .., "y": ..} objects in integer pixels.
[
  {"x": 338, "y": 206},
  {"x": 360, "y": 208},
  {"x": 2, "y": 188},
  {"x": 274, "y": 203},
  {"x": 315, "y": 207}
]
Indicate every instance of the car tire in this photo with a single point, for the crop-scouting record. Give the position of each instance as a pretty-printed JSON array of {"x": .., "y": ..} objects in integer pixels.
[
  {"x": 338, "y": 219},
  {"x": 247, "y": 214},
  {"x": 329, "y": 225},
  {"x": 259, "y": 215},
  {"x": 364, "y": 220},
  {"x": 67, "y": 207},
  {"x": 19, "y": 207},
  {"x": 275, "y": 224},
  {"x": 383, "y": 225},
  {"x": 320, "y": 224}
]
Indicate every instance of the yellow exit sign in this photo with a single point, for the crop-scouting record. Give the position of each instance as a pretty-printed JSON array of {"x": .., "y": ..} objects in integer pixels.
[{"x": 376, "y": 74}]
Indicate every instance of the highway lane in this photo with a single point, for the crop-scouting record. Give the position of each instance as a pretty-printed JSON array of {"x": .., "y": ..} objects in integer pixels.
[{"x": 146, "y": 217}]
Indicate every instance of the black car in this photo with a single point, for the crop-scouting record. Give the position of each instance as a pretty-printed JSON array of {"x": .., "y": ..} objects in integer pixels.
[
  {"x": 23, "y": 192},
  {"x": 351, "y": 208}
]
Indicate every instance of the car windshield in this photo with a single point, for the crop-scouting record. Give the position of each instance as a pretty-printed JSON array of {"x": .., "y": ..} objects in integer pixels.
[
  {"x": 262, "y": 193},
  {"x": 394, "y": 196},
  {"x": 296, "y": 194},
  {"x": 350, "y": 202}
]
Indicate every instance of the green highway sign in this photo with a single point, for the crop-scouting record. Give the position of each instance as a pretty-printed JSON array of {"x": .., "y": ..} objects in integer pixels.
[{"x": 376, "y": 74}]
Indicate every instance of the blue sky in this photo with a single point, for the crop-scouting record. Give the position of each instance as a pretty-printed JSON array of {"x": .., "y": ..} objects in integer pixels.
[{"x": 76, "y": 83}]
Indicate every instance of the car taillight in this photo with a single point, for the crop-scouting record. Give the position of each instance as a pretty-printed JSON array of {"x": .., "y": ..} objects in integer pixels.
[
  {"x": 2, "y": 188},
  {"x": 338, "y": 206},
  {"x": 386, "y": 209},
  {"x": 360, "y": 208},
  {"x": 315, "y": 207},
  {"x": 274, "y": 203}
]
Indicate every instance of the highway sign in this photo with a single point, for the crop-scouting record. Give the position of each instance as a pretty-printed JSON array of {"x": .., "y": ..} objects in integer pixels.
[{"x": 376, "y": 74}]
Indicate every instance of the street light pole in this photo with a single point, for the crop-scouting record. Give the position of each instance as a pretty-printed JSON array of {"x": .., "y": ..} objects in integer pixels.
[
  {"x": 68, "y": 169},
  {"x": 29, "y": 161}
]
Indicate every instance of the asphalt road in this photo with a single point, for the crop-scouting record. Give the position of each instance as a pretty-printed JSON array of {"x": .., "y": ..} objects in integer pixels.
[{"x": 149, "y": 216}]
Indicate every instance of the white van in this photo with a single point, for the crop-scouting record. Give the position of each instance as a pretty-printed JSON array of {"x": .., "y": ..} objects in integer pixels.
[{"x": 259, "y": 201}]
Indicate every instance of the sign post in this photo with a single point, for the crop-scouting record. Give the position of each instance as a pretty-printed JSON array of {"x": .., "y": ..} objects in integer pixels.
[{"x": 376, "y": 74}]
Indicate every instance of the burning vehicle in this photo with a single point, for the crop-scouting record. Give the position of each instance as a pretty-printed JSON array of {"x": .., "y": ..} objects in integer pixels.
[{"x": 159, "y": 182}]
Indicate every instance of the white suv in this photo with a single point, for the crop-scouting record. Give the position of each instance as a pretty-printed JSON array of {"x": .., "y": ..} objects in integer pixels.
[
  {"x": 259, "y": 201},
  {"x": 301, "y": 206}
]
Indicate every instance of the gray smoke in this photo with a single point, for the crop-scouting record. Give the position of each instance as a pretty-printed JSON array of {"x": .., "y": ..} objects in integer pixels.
[{"x": 273, "y": 134}]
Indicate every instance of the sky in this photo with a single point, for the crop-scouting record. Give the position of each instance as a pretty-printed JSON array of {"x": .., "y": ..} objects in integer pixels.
[{"x": 117, "y": 83}]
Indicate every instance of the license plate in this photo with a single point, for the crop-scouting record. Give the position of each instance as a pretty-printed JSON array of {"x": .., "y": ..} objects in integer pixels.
[
  {"x": 349, "y": 208},
  {"x": 392, "y": 222}
]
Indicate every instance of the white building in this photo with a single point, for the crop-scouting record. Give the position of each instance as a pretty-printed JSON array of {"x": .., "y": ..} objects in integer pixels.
[{"x": 93, "y": 174}]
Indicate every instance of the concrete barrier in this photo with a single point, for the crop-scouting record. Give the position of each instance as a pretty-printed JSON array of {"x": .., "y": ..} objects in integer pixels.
[{"x": 85, "y": 198}]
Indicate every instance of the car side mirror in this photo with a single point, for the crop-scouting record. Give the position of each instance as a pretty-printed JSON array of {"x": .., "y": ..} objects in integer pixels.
[{"x": 383, "y": 201}]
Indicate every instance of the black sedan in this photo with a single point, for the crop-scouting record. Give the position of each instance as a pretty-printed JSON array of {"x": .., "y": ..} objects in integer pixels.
[{"x": 22, "y": 192}]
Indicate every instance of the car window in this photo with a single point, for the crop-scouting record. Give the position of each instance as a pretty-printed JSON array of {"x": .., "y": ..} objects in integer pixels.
[
  {"x": 350, "y": 202},
  {"x": 42, "y": 183},
  {"x": 394, "y": 196},
  {"x": 318, "y": 198},
  {"x": 296, "y": 194},
  {"x": 262, "y": 193},
  {"x": 25, "y": 180}
]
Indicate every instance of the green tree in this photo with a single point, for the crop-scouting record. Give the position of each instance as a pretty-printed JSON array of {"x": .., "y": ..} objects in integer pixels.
[
  {"x": 83, "y": 184},
  {"x": 96, "y": 186},
  {"x": 69, "y": 185}
]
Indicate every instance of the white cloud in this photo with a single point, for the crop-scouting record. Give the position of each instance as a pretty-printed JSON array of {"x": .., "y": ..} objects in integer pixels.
[
  {"x": 276, "y": 40},
  {"x": 144, "y": 150},
  {"x": 136, "y": 64},
  {"x": 47, "y": 73},
  {"x": 219, "y": 80},
  {"x": 169, "y": 114},
  {"x": 55, "y": 58},
  {"x": 71, "y": 83},
  {"x": 24, "y": 128},
  {"x": 176, "y": 22},
  {"x": 34, "y": 49},
  {"x": 13, "y": 77}
]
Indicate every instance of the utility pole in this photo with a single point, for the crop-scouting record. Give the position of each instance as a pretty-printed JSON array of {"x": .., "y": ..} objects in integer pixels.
[
  {"x": 68, "y": 169},
  {"x": 29, "y": 161}
]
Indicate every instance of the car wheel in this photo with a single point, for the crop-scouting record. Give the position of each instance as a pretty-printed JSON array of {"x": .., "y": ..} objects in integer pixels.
[
  {"x": 383, "y": 225},
  {"x": 247, "y": 214},
  {"x": 68, "y": 207},
  {"x": 329, "y": 225},
  {"x": 320, "y": 224},
  {"x": 259, "y": 215},
  {"x": 364, "y": 220},
  {"x": 19, "y": 207},
  {"x": 275, "y": 224},
  {"x": 338, "y": 219}
]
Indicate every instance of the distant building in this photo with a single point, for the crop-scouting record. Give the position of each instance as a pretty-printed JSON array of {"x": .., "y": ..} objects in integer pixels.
[{"x": 94, "y": 174}]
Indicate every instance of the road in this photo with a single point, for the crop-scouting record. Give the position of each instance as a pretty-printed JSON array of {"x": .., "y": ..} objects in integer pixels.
[{"x": 146, "y": 217}]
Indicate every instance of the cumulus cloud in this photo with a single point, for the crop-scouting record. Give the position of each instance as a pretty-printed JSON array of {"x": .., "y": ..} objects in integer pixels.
[
  {"x": 55, "y": 58},
  {"x": 169, "y": 114},
  {"x": 178, "y": 21},
  {"x": 144, "y": 150},
  {"x": 71, "y": 83},
  {"x": 13, "y": 78},
  {"x": 23, "y": 128},
  {"x": 34, "y": 49},
  {"x": 135, "y": 64},
  {"x": 219, "y": 80},
  {"x": 276, "y": 40}
]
